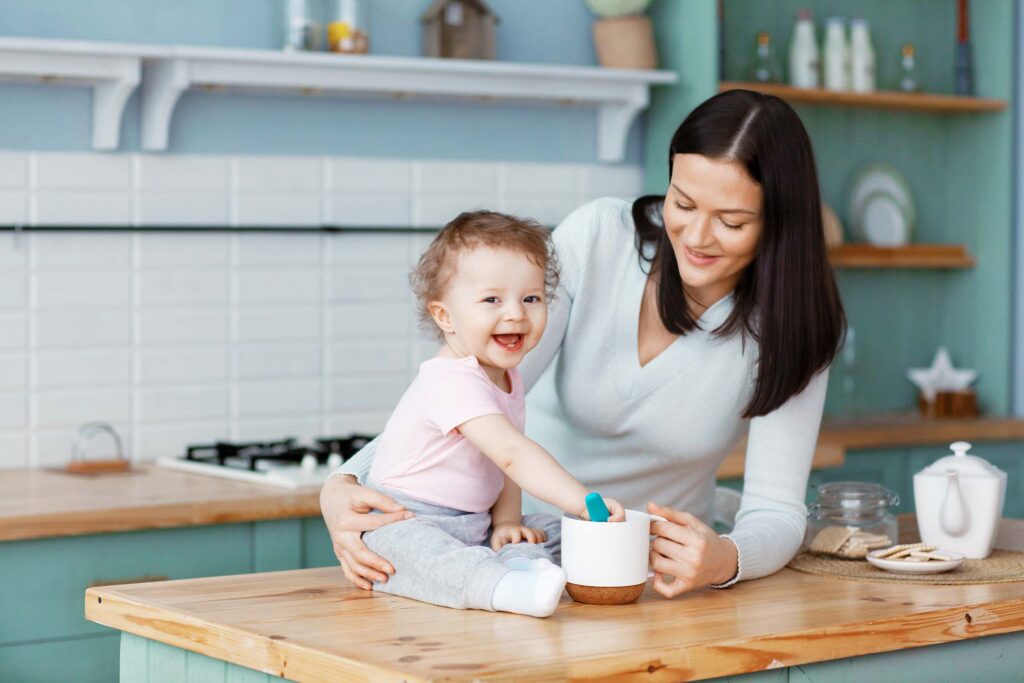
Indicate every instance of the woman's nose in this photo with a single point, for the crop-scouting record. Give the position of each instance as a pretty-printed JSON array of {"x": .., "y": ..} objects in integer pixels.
[{"x": 698, "y": 232}]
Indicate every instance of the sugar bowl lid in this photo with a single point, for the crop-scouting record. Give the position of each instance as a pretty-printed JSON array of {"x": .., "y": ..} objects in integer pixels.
[{"x": 963, "y": 463}]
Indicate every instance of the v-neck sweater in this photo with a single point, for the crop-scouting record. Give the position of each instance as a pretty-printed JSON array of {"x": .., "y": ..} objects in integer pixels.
[{"x": 659, "y": 432}]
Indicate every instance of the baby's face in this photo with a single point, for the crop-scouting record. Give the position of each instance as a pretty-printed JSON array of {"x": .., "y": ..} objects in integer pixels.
[{"x": 496, "y": 306}]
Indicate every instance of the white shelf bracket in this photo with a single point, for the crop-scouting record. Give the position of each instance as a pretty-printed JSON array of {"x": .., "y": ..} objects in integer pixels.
[
  {"x": 108, "y": 102},
  {"x": 162, "y": 85},
  {"x": 613, "y": 124}
]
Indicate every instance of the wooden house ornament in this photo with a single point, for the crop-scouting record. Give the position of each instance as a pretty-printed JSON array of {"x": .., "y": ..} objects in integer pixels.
[{"x": 459, "y": 29}]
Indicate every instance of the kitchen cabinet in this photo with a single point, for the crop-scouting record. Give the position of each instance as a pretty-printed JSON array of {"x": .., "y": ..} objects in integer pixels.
[{"x": 44, "y": 635}]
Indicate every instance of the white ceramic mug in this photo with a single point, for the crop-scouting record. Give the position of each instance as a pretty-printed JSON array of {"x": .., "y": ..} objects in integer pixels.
[{"x": 607, "y": 554}]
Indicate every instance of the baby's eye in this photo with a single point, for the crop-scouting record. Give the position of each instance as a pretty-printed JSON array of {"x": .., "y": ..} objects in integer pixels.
[
  {"x": 490, "y": 300},
  {"x": 532, "y": 299}
]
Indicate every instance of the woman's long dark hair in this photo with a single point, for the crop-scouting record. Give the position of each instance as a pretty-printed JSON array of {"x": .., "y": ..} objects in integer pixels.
[{"x": 786, "y": 299}]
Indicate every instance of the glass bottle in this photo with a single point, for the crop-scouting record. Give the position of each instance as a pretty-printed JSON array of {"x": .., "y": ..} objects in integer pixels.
[
  {"x": 301, "y": 30},
  {"x": 855, "y": 505},
  {"x": 348, "y": 30},
  {"x": 765, "y": 69},
  {"x": 908, "y": 70},
  {"x": 862, "y": 57},
  {"x": 837, "y": 55},
  {"x": 803, "y": 53}
]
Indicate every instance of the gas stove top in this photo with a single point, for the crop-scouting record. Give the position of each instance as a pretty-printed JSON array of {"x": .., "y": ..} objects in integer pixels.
[{"x": 285, "y": 463}]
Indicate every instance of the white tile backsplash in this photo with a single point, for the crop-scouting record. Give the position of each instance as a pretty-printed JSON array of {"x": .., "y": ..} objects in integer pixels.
[
  {"x": 62, "y": 369},
  {"x": 185, "y": 337},
  {"x": 82, "y": 289},
  {"x": 182, "y": 326},
  {"x": 77, "y": 328},
  {"x": 13, "y": 370},
  {"x": 13, "y": 170}
]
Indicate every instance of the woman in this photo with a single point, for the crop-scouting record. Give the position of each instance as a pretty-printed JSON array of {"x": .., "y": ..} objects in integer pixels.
[{"x": 684, "y": 322}]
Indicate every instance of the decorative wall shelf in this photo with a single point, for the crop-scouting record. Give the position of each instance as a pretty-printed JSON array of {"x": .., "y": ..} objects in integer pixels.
[
  {"x": 619, "y": 95},
  {"x": 923, "y": 102},
  {"x": 910, "y": 256},
  {"x": 112, "y": 70}
]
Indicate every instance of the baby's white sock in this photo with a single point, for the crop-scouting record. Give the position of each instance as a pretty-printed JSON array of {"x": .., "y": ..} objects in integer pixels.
[{"x": 532, "y": 587}]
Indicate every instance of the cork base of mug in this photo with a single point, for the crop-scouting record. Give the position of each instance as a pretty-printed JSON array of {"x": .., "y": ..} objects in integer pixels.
[{"x": 605, "y": 595}]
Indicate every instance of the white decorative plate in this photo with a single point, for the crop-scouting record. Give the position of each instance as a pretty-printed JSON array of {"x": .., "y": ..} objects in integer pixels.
[
  {"x": 884, "y": 222},
  {"x": 879, "y": 179},
  {"x": 929, "y": 567}
]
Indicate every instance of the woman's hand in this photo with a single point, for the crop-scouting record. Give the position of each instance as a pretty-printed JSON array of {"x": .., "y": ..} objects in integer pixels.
[
  {"x": 507, "y": 532},
  {"x": 690, "y": 551},
  {"x": 345, "y": 506},
  {"x": 616, "y": 512}
]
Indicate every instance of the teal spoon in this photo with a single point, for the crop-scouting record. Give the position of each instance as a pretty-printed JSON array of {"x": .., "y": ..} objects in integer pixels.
[{"x": 596, "y": 508}]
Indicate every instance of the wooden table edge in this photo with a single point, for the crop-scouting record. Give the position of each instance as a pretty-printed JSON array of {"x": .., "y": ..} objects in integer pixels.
[{"x": 109, "y": 606}]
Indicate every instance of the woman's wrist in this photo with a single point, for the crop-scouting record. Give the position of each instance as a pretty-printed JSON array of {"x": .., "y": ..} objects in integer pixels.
[{"x": 731, "y": 564}]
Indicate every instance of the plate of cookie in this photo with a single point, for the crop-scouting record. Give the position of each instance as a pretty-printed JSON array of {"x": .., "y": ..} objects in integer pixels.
[{"x": 915, "y": 558}]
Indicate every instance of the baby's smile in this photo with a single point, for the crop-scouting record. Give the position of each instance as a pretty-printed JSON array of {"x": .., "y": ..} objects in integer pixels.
[{"x": 509, "y": 342}]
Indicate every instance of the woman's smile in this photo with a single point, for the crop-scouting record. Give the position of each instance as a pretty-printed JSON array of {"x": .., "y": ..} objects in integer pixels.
[{"x": 700, "y": 259}]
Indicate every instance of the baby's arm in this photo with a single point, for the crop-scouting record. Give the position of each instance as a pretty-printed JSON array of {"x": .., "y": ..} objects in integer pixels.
[
  {"x": 530, "y": 466},
  {"x": 508, "y": 509}
]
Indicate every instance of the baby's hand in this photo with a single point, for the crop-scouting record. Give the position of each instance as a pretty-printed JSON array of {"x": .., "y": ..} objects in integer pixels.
[
  {"x": 506, "y": 533},
  {"x": 616, "y": 513}
]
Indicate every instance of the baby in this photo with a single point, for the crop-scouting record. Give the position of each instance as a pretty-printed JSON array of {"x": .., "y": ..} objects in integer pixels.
[{"x": 453, "y": 452}]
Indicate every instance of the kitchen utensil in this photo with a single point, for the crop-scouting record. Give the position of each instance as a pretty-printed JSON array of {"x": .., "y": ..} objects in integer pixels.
[
  {"x": 855, "y": 506},
  {"x": 596, "y": 507},
  {"x": 959, "y": 501},
  {"x": 80, "y": 464},
  {"x": 879, "y": 178},
  {"x": 929, "y": 567}
]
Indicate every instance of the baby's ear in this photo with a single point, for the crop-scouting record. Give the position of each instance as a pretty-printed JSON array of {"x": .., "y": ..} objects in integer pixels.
[{"x": 439, "y": 312}]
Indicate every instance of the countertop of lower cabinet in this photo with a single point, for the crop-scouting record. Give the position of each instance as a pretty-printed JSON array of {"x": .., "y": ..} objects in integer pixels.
[
  {"x": 44, "y": 503},
  {"x": 312, "y": 625}
]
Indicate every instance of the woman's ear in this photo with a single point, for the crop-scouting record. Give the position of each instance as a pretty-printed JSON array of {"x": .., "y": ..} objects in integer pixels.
[{"x": 442, "y": 318}]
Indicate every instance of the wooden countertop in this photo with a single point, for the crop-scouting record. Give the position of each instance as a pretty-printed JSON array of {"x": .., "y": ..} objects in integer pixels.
[
  {"x": 43, "y": 503},
  {"x": 311, "y": 625}
]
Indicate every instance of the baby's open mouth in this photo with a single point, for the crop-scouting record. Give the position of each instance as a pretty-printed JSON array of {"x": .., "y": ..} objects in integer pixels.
[{"x": 509, "y": 342}]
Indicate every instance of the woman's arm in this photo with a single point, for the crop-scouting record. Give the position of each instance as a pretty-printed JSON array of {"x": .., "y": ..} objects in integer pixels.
[
  {"x": 772, "y": 518},
  {"x": 358, "y": 466},
  {"x": 530, "y": 466}
]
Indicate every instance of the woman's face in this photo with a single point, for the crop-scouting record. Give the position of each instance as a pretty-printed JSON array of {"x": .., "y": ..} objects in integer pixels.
[{"x": 713, "y": 216}]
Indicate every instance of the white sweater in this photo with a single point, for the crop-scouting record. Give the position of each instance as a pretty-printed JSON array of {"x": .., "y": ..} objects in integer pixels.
[{"x": 659, "y": 432}]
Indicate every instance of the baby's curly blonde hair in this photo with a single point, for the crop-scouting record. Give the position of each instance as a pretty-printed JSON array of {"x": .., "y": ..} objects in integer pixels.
[{"x": 470, "y": 230}]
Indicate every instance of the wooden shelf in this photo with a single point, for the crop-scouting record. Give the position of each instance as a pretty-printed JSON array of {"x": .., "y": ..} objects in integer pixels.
[
  {"x": 910, "y": 256},
  {"x": 890, "y": 430},
  {"x": 894, "y": 100}
]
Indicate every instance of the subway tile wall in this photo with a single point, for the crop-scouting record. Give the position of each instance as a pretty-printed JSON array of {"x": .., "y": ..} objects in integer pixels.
[{"x": 187, "y": 337}]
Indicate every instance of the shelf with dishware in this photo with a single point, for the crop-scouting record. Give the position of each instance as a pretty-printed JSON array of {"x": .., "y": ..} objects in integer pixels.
[
  {"x": 907, "y": 256},
  {"x": 882, "y": 99}
]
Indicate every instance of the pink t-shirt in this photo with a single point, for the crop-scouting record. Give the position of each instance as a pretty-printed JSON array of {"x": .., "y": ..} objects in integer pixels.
[{"x": 421, "y": 454}]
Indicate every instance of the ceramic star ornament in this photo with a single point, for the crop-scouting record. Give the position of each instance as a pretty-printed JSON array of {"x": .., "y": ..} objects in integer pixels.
[{"x": 941, "y": 376}]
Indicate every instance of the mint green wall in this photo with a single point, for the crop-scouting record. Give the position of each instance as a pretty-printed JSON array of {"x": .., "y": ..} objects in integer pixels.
[{"x": 958, "y": 168}]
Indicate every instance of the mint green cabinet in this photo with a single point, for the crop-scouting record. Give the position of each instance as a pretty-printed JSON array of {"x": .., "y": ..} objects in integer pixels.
[{"x": 43, "y": 633}]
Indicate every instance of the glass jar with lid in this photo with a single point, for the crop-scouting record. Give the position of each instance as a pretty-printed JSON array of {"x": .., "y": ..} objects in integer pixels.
[{"x": 860, "y": 508}]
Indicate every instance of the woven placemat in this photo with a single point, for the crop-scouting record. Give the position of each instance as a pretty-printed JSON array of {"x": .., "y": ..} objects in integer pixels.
[{"x": 1002, "y": 566}]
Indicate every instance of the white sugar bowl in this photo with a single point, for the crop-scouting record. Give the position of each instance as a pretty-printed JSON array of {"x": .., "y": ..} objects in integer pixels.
[{"x": 959, "y": 501}]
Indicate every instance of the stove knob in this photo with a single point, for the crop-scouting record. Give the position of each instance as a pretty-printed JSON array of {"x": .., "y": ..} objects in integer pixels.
[
  {"x": 309, "y": 462},
  {"x": 334, "y": 460}
]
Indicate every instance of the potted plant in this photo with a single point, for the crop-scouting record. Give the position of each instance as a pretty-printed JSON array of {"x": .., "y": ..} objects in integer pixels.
[{"x": 623, "y": 35}]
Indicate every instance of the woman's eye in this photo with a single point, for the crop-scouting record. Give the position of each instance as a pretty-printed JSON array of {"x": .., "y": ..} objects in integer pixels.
[
  {"x": 731, "y": 226},
  {"x": 683, "y": 208}
]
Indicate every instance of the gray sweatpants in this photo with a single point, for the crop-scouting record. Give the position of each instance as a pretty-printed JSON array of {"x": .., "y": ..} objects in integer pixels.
[{"x": 443, "y": 556}]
